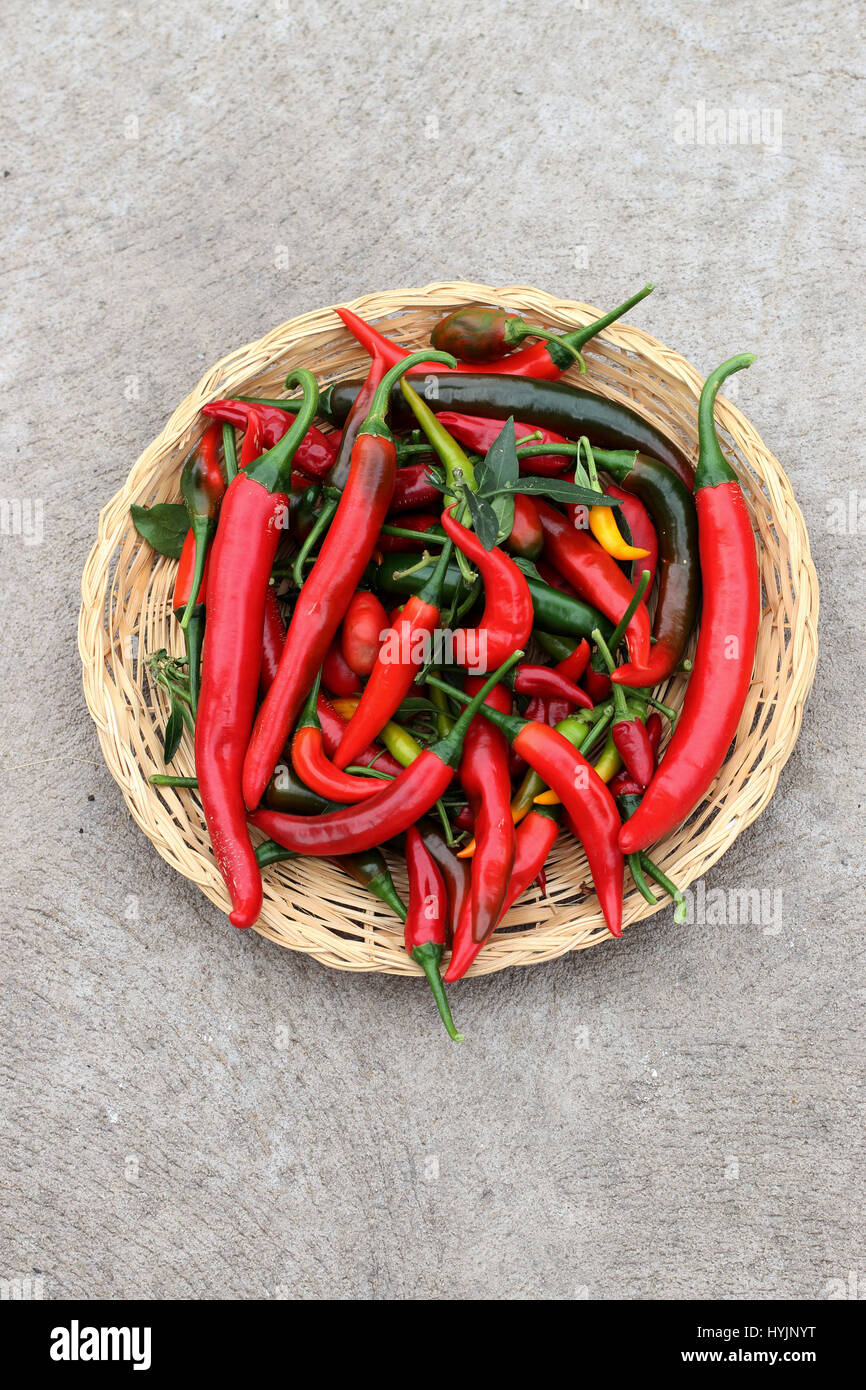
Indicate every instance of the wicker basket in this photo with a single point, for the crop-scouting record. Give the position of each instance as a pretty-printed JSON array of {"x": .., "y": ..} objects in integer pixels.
[{"x": 309, "y": 905}]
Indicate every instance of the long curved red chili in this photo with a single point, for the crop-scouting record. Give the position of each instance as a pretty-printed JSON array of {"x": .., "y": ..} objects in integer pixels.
[
  {"x": 507, "y": 619},
  {"x": 315, "y": 768},
  {"x": 240, "y": 569},
  {"x": 485, "y": 779},
  {"x": 325, "y": 596},
  {"x": 595, "y": 576},
  {"x": 727, "y": 638}
]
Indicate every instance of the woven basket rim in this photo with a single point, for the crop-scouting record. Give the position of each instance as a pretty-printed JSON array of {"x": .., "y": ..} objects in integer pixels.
[{"x": 360, "y": 934}]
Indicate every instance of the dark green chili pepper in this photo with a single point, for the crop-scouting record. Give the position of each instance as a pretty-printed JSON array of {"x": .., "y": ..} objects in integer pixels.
[{"x": 552, "y": 405}]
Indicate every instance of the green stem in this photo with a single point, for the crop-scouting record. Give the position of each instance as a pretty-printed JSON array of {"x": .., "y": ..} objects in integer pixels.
[
  {"x": 318, "y": 528},
  {"x": 640, "y": 882},
  {"x": 202, "y": 529},
  {"x": 637, "y": 597},
  {"x": 428, "y": 957},
  {"x": 272, "y": 468},
  {"x": 375, "y": 422},
  {"x": 230, "y": 452},
  {"x": 162, "y": 779},
  {"x": 713, "y": 468},
  {"x": 408, "y": 535},
  {"x": 662, "y": 879}
]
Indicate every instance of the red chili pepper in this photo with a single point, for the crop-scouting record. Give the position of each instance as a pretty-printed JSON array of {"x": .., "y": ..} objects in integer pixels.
[
  {"x": 485, "y": 779},
  {"x": 465, "y": 819},
  {"x": 623, "y": 784},
  {"x": 545, "y": 360},
  {"x": 643, "y": 535},
  {"x": 526, "y": 537},
  {"x": 405, "y": 649},
  {"x": 507, "y": 618},
  {"x": 334, "y": 727},
  {"x": 574, "y": 665},
  {"x": 478, "y": 434},
  {"x": 424, "y": 933},
  {"x": 581, "y": 791},
  {"x": 553, "y": 578},
  {"x": 337, "y": 675},
  {"x": 316, "y": 451},
  {"x": 455, "y": 872},
  {"x": 595, "y": 575},
  {"x": 397, "y": 806},
  {"x": 654, "y": 733},
  {"x": 413, "y": 490},
  {"x": 727, "y": 638},
  {"x": 534, "y": 839},
  {"x": 632, "y": 743},
  {"x": 597, "y": 685},
  {"x": 541, "y": 680},
  {"x": 273, "y": 639},
  {"x": 324, "y": 598},
  {"x": 185, "y": 572},
  {"x": 316, "y": 770},
  {"x": 536, "y": 708},
  {"x": 240, "y": 570},
  {"x": 363, "y": 626}
]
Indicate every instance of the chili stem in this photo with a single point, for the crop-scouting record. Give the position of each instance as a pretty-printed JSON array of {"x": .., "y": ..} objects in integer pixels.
[
  {"x": 640, "y": 882},
  {"x": 163, "y": 779},
  {"x": 320, "y": 525},
  {"x": 230, "y": 453},
  {"x": 662, "y": 879}
]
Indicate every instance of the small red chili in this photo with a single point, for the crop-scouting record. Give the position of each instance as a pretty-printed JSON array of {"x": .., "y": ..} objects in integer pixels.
[
  {"x": 337, "y": 675},
  {"x": 424, "y": 932},
  {"x": 362, "y": 633}
]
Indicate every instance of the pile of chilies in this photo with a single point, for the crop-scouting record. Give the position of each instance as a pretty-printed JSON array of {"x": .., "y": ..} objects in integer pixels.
[{"x": 460, "y": 597}]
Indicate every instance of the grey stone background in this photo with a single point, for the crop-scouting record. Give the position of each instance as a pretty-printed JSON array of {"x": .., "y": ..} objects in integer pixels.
[{"x": 192, "y": 1113}]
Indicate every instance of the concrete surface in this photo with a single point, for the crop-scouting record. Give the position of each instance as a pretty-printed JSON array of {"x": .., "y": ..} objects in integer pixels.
[{"x": 191, "y": 1113}]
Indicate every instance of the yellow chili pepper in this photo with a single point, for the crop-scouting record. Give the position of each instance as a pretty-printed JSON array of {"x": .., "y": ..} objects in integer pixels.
[{"x": 602, "y": 524}]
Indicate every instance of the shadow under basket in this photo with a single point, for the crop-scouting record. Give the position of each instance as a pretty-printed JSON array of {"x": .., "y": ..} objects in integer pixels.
[{"x": 311, "y": 905}]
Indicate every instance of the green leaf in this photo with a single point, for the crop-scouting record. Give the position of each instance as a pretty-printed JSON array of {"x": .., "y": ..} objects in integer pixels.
[
  {"x": 173, "y": 732},
  {"x": 559, "y": 490},
  {"x": 485, "y": 523},
  {"x": 498, "y": 470},
  {"x": 164, "y": 527},
  {"x": 526, "y": 567}
]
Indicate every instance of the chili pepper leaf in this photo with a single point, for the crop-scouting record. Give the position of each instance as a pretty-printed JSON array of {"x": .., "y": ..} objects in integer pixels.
[
  {"x": 499, "y": 470},
  {"x": 527, "y": 567},
  {"x": 485, "y": 523},
  {"x": 164, "y": 527},
  {"x": 560, "y": 490},
  {"x": 173, "y": 732}
]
